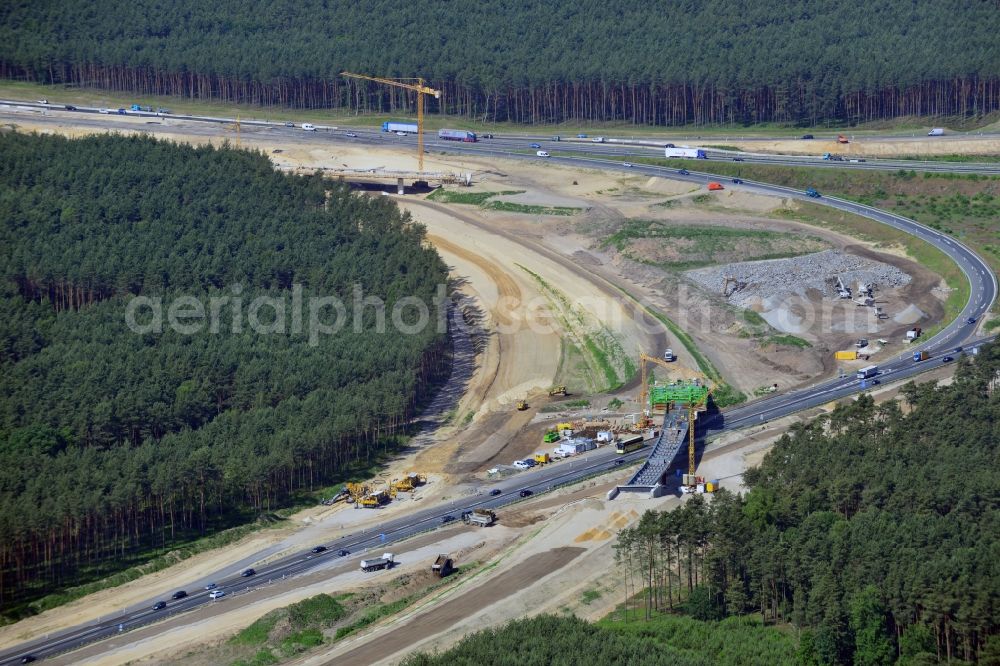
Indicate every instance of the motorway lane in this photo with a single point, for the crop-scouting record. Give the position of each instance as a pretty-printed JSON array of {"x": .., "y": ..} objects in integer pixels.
[
  {"x": 983, "y": 293},
  {"x": 626, "y": 148}
]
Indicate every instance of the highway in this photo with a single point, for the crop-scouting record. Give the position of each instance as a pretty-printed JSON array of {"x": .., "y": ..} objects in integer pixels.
[{"x": 957, "y": 333}]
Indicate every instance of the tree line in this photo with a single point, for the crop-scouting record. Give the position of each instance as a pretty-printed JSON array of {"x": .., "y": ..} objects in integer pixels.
[
  {"x": 720, "y": 61},
  {"x": 873, "y": 531},
  {"x": 117, "y": 441}
]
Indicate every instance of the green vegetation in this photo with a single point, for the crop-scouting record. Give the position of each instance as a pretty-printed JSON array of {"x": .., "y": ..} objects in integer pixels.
[
  {"x": 787, "y": 340},
  {"x": 177, "y": 434},
  {"x": 765, "y": 62},
  {"x": 868, "y": 529},
  {"x": 288, "y": 631},
  {"x": 663, "y": 641},
  {"x": 482, "y": 199},
  {"x": 688, "y": 246},
  {"x": 531, "y": 209},
  {"x": 471, "y": 198},
  {"x": 615, "y": 403},
  {"x": 590, "y": 596}
]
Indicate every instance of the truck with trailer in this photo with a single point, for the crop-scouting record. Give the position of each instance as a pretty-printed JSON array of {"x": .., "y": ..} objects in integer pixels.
[
  {"x": 692, "y": 153},
  {"x": 479, "y": 517},
  {"x": 378, "y": 563},
  {"x": 851, "y": 355},
  {"x": 868, "y": 372},
  {"x": 406, "y": 128},
  {"x": 920, "y": 356},
  {"x": 443, "y": 565},
  {"x": 457, "y": 135}
]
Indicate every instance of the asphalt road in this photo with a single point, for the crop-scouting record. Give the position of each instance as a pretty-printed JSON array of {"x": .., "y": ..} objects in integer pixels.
[{"x": 381, "y": 536}]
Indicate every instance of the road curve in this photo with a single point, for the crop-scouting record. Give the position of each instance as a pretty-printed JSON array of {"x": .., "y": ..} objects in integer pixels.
[{"x": 983, "y": 292}]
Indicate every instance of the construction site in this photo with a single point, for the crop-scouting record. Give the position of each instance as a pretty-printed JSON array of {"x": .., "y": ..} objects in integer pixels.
[{"x": 557, "y": 361}]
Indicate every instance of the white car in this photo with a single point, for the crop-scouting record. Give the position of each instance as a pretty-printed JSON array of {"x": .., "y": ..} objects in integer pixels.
[
  {"x": 521, "y": 464},
  {"x": 627, "y": 164},
  {"x": 308, "y": 127},
  {"x": 542, "y": 153},
  {"x": 217, "y": 594},
  {"x": 103, "y": 111},
  {"x": 400, "y": 133}
]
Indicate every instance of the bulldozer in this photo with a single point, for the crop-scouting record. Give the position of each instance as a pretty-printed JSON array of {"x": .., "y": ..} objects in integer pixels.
[
  {"x": 522, "y": 405},
  {"x": 557, "y": 390}
]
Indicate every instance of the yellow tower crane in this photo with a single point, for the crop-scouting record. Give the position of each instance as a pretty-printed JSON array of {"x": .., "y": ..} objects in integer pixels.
[{"x": 417, "y": 87}]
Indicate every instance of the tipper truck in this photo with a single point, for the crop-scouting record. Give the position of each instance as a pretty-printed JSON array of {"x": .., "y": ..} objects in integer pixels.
[
  {"x": 480, "y": 517},
  {"x": 384, "y": 562},
  {"x": 443, "y": 566}
]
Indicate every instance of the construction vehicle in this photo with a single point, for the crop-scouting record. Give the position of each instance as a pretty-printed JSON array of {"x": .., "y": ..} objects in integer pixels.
[
  {"x": 375, "y": 564},
  {"x": 443, "y": 565},
  {"x": 480, "y": 517},
  {"x": 418, "y": 88},
  {"x": 668, "y": 355},
  {"x": 557, "y": 390},
  {"x": 851, "y": 355},
  {"x": 920, "y": 356},
  {"x": 542, "y": 458},
  {"x": 375, "y": 499},
  {"x": 737, "y": 285},
  {"x": 714, "y": 186},
  {"x": 565, "y": 425},
  {"x": 522, "y": 405},
  {"x": 843, "y": 291},
  {"x": 550, "y": 437},
  {"x": 842, "y": 139},
  {"x": 408, "y": 482}
]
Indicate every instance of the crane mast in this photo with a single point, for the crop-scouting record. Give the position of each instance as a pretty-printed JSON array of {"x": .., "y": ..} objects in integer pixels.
[{"x": 418, "y": 88}]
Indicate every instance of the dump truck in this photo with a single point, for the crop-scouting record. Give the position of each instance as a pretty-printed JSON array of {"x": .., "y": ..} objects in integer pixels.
[
  {"x": 713, "y": 186},
  {"x": 443, "y": 565},
  {"x": 375, "y": 500},
  {"x": 375, "y": 564},
  {"x": 920, "y": 356},
  {"x": 480, "y": 517},
  {"x": 851, "y": 355}
]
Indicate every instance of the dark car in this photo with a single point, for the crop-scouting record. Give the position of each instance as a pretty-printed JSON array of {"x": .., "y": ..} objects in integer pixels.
[
  {"x": 248, "y": 572},
  {"x": 179, "y": 594},
  {"x": 121, "y": 112},
  {"x": 737, "y": 159},
  {"x": 319, "y": 549},
  {"x": 669, "y": 145},
  {"x": 289, "y": 124},
  {"x": 447, "y": 519},
  {"x": 684, "y": 172},
  {"x": 28, "y": 658},
  {"x": 737, "y": 181},
  {"x": 970, "y": 320},
  {"x": 947, "y": 359},
  {"x": 618, "y": 462},
  {"x": 486, "y": 136},
  {"x": 211, "y": 586},
  {"x": 159, "y": 605},
  {"x": 536, "y": 145},
  {"x": 70, "y": 107},
  {"x": 526, "y": 493},
  {"x": 958, "y": 350},
  {"x": 495, "y": 492},
  {"x": 807, "y": 136},
  {"x": 343, "y": 552}
]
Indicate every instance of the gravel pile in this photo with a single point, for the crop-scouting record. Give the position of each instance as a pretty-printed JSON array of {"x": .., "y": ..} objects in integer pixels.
[{"x": 778, "y": 278}]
